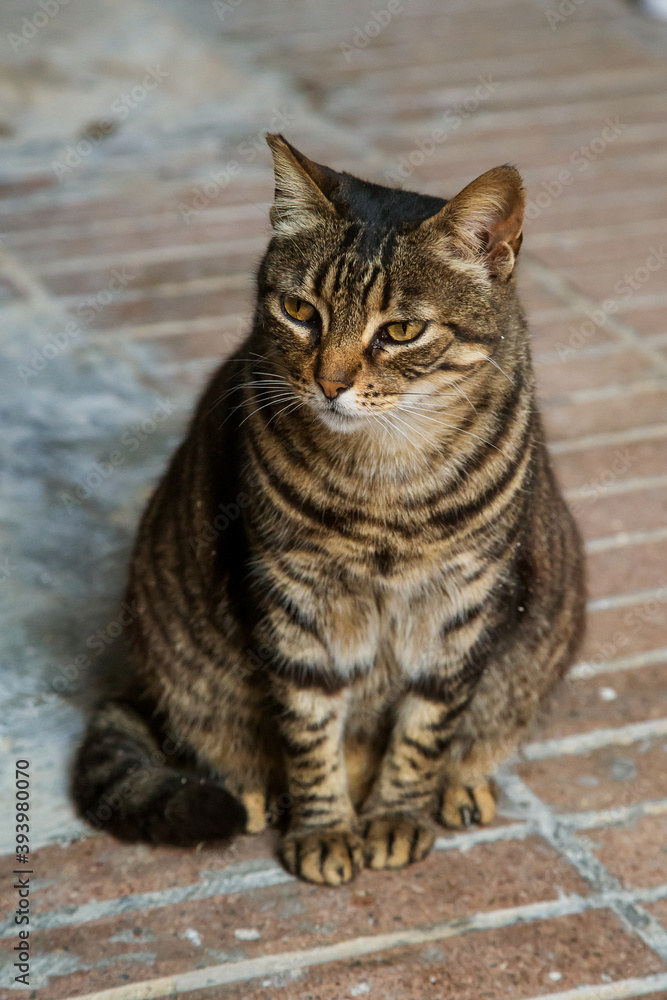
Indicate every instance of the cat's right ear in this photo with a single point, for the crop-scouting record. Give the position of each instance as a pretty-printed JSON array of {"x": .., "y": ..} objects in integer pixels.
[{"x": 302, "y": 189}]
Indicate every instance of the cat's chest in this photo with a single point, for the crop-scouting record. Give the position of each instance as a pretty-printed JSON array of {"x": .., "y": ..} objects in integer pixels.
[{"x": 401, "y": 622}]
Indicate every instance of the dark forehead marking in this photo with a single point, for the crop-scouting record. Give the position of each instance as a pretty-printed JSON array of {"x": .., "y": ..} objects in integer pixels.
[
  {"x": 387, "y": 249},
  {"x": 382, "y": 208},
  {"x": 368, "y": 284},
  {"x": 338, "y": 274},
  {"x": 320, "y": 274},
  {"x": 351, "y": 235},
  {"x": 386, "y": 293}
]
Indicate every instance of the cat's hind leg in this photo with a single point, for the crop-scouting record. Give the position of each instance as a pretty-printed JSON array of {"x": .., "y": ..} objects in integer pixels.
[
  {"x": 463, "y": 805},
  {"x": 468, "y": 792}
]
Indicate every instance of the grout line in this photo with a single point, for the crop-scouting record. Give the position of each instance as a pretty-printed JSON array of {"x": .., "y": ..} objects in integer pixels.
[
  {"x": 613, "y": 489},
  {"x": 33, "y": 289},
  {"x": 234, "y": 281},
  {"x": 235, "y": 972},
  {"x": 563, "y": 313},
  {"x": 483, "y": 835},
  {"x": 267, "y": 874},
  {"x": 607, "y": 438},
  {"x": 625, "y": 539},
  {"x": 544, "y": 359},
  {"x": 628, "y": 600},
  {"x": 151, "y": 255},
  {"x": 635, "y": 918},
  {"x": 614, "y": 390},
  {"x": 218, "y": 884},
  {"x": 239, "y": 211},
  {"x": 595, "y": 740},
  {"x": 650, "y": 658},
  {"x": 564, "y": 289},
  {"x": 624, "y": 989},
  {"x": 222, "y": 323},
  {"x": 563, "y": 239},
  {"x": 616, "y": 814}
]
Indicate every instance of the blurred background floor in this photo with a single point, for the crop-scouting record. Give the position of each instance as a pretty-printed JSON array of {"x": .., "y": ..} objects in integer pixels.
[{"x": 134, "y": 190}]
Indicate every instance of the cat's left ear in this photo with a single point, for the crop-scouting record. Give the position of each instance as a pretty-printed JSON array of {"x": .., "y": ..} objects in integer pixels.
[
  {"x": 484, "y": 222},
  {"x": 302, "y": 188}
]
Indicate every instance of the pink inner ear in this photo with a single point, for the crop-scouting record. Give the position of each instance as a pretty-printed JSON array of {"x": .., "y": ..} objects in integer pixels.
[
  {"x": 489, "y": 211},
  {"x": 508, "y": 229}
]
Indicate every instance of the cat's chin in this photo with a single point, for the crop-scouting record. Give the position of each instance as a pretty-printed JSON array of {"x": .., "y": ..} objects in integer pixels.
[{"x": 341, "y": 422}]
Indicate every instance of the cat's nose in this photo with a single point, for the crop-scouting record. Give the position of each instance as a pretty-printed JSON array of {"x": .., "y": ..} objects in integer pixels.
[{"x": 332, "y": 389}]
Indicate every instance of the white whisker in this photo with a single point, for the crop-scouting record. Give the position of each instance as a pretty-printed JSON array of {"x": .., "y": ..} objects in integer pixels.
[{"x": 500, "y": 370}]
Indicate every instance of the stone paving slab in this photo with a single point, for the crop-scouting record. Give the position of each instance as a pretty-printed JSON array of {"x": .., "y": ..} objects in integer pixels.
[{"x": 126, "y": 262}]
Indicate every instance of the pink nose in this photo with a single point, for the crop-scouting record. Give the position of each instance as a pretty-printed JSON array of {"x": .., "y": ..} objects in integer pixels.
[{"x": 332, "y": 389}]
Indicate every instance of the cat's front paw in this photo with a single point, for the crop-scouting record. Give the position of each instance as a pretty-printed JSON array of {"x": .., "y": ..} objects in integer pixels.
[
  {"x": 325, "y": 857},
  {"x": 397, "y": 840}
]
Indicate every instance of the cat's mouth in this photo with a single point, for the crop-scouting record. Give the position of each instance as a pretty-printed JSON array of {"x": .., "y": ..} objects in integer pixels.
[{"x": 337, "y": 418}]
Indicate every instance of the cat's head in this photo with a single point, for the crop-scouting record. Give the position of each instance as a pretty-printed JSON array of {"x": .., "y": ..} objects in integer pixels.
[{"x": 377, "y": 299}]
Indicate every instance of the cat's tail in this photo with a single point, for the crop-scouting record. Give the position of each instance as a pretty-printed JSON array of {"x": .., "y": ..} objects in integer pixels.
[{"x": 122, "y": 782}]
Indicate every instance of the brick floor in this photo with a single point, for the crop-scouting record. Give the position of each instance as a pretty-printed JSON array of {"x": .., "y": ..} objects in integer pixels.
[{"x": 565, "y": 896}]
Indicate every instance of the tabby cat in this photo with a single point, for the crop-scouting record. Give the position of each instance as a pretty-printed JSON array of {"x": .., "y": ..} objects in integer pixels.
[{"x": 357, "y": 582}]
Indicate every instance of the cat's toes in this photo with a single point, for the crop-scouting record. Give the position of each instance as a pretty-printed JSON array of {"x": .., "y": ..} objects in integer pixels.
[
  {"x": 396, "y": 841},
  {"x": 323, "y": 856},
  {"x": 462, "y": 806}
]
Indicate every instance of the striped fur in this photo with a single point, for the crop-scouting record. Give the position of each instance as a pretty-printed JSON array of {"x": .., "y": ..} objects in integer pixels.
[{"x": 351, "y": 609}]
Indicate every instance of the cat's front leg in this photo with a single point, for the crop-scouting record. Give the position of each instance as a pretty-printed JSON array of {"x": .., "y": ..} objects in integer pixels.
[
  {"x": 398, "y": 815},
  {"x": 322, "y": 844}
]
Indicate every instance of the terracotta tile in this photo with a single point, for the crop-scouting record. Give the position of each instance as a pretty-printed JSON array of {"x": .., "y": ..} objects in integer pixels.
[
  {"x": 575, "y": 373},
  {"x": 176, "y": 308},
  {"x": 566, "y": 422},
  {"x": 648, "y": 321},
  {"x": 659, "y": 911},
  {"x": 621, "y": 632},
  {"x": 622, "y": 253},
  {"x": 594, "y": 466},
  {"x": 604, "y": 702},
  {"x": 90, "y": 280},
  {"x": 601, "y": 779},
  {"x": 121, "y": 243},
  {"x": 446, "y": 886},
  {"x": 625, "y": 570},
  {"x": 616, "y": 279},
  {"x": 635, "y": 852},
  {"x": 507, "y": 964},
  {"x": 602, "y": 515},
  {"x": 100, "y": 868}
]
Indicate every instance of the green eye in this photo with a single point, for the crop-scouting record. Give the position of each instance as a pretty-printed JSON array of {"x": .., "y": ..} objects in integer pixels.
[
  {"x": 299, "y": 308},
  {"x": 404, "y": 331}
]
